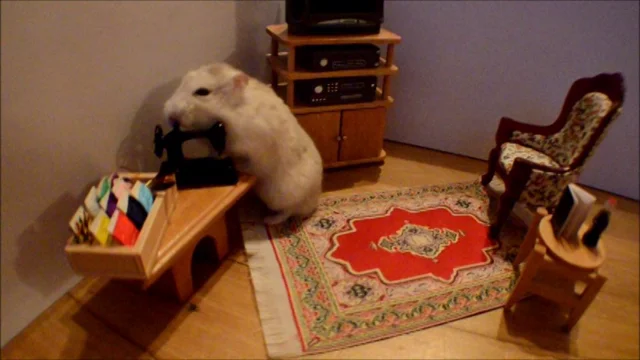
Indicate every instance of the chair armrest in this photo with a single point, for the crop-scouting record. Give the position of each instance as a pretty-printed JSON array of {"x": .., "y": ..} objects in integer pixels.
[
  {"x": 540, "y": 185},
  {"x": 507, "y": 126}
]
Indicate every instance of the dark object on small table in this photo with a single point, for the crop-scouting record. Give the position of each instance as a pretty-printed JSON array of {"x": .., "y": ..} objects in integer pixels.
[
  {"x": 198, "y": 172},
  {"x": 599, "y": 224}
]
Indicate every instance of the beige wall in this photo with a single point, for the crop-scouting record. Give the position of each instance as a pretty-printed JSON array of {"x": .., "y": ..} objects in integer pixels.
[{"x": 82, "y": 87}]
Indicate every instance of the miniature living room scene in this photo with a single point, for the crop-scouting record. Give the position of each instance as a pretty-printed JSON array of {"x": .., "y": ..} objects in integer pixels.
[{"x": 320, "y": 179}]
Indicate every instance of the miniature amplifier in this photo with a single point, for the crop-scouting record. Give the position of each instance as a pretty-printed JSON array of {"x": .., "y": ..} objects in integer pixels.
[
  {"x": 333, "y": 91},
  {"x": 337, "y": 57}
]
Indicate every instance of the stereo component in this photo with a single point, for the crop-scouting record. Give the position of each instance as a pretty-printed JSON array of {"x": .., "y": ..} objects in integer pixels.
[
  {"x": 333, "y": 91},
  {"x": 337, "y": 57}
]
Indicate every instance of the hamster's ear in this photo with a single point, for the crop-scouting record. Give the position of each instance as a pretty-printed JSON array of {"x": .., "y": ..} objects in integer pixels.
[{"x": 240, "y": 81}]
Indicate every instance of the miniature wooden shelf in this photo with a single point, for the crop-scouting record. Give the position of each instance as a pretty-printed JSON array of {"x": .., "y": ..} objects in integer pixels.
[
  {"x": 364, "y": 105},
  {"x": 345, "y": 134},
  {"x": 280, "y": 33},
  {"x": 279, "y": 63}
]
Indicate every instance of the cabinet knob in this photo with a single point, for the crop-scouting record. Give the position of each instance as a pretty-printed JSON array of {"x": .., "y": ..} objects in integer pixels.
[
  {"x": 339, "y": 138},
  {"x": 344, "y": 138}
]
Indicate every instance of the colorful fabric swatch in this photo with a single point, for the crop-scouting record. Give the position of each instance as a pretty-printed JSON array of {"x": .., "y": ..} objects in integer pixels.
[
  {"x": 121, "y": 187},
  {"x": 133, "y": 209},
  {"x": 122, "y": 229},
  {"x": 80, "y": 226},
  {"x": 109, "y": 203},
  {"x": 91, "y": 202},
  {"x": 104, "y": 187},
  {"x": 143, "y": 195},
  {"x": 115, "y": 209},
  {"x": 100, "y": 229}
]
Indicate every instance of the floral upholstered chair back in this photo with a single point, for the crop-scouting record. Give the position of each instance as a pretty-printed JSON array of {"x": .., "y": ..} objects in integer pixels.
[
  {"x": 566, "y": 147},
  {"x": 583, "y": 123}
]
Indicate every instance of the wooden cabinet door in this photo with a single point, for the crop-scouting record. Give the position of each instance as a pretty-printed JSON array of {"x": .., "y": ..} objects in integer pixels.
[
  {"x": 362, "y": 133},
  {"x": 324, "y": 129}
]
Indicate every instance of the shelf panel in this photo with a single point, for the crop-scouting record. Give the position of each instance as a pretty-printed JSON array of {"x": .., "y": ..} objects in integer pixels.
[
  {"x": 365, "y": 105},
  {"x": 279, "y": 64},
  {"x": 302, "y": 109},
  {"x": 280, "y": 33}
]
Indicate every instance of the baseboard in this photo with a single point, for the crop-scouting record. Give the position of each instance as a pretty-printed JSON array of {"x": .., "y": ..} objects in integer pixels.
[{"x": 485, "y": 160}]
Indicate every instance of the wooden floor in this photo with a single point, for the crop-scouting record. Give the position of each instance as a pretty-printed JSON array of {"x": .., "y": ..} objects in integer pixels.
[{"x": 100, "y": 319}]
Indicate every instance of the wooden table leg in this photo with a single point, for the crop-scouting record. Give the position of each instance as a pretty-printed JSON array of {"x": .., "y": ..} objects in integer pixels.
[
  {"x": 181, "y": 275},
  {"x": 531, "y": 267},
  {"x": 219, "y": 233},
  {"x": 180, "y": 272},
  {"x": 587, "y": 297}
]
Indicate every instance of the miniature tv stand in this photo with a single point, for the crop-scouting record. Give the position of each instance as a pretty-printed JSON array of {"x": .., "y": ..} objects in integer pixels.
[{"x": 346, "y": 134}]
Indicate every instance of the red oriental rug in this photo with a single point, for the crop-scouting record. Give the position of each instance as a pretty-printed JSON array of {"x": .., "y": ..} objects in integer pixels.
[{"x": 374, "y": 265}]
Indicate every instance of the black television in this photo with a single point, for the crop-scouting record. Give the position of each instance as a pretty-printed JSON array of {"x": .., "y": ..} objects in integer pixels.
[{"x": 334, "y": 17}]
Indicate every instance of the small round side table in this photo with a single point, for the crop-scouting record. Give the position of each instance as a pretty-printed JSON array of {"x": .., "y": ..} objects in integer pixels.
[{"x": 571, "y": 260}]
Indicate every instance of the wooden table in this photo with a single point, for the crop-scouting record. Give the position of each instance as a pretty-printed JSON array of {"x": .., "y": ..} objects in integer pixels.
[
  {"x": 199, "y": 213},
  {"x": 573, "y": 260}
]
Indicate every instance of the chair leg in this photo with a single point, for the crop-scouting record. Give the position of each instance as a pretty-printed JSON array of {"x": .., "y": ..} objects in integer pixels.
[
  {"x": 530, "y": 239},
  {"x": 493, "y": 160},
  {"x": 514, "y": 185},
  {"x": 507, "y": 202}
]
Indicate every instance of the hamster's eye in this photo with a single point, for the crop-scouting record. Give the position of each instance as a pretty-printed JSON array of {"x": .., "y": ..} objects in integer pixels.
[{"x": 202, "y": 92}]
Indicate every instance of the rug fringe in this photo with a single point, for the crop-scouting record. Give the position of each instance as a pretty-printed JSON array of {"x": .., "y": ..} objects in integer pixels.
[{"x": 278, "y": 326}]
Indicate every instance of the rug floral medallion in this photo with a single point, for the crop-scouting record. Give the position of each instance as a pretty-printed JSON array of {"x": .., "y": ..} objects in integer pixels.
[{"x": 373, "y": 265}]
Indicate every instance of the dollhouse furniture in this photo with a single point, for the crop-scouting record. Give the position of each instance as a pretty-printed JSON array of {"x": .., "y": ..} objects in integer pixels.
[
  {"x": 537, "y": 162},
  {"x": 204, "y": 213},
  {"x": 345, "y": 134},
  {"x": 541, "y": 250},
  {"x": 203, "y": 205},
  {"x": 177, "y": 223}
]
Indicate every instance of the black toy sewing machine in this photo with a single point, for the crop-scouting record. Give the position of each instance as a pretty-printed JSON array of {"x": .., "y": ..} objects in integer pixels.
[{"x": 194, "y": 172}]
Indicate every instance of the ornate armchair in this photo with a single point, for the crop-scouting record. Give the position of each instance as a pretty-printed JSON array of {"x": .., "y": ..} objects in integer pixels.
[{"x": 536, "y": 163}]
